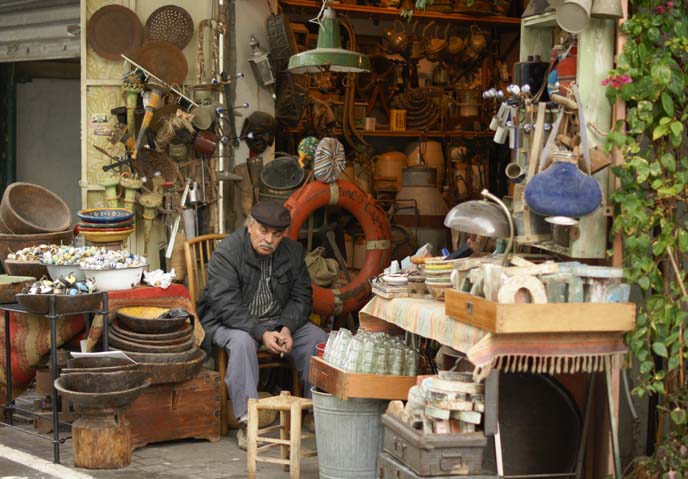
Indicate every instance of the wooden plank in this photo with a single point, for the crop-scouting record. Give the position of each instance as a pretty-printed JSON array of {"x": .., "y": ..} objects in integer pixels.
[
  {"x": 345, "y": 384},
  {"x": 539, "y": 318},
  {"x": 470, "y": 309},
  {"x": 565, "y": 317}
]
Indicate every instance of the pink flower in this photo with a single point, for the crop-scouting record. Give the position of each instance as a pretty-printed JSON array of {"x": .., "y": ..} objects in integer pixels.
[
  {"x": 660, "y": 9},
  {"x": 670, "y": 5},
  {"x": 671, "y": 474},
  {"x": 617, "y": 81}
]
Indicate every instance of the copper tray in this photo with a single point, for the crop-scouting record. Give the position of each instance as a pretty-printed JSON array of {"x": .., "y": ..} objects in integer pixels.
[
  {"x": 163, "y": 60},
  {"x": 172, "y": 24},
  {"x": 114, "y": 30}
]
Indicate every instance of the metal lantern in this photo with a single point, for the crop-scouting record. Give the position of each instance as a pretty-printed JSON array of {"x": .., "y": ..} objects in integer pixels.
[{"x": 260, "y": 64}]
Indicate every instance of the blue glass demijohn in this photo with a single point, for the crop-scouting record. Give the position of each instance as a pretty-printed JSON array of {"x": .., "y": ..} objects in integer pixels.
[{"x": 563, "y": 189}]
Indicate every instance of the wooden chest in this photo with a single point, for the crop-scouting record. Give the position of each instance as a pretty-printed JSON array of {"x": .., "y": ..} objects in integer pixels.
[
  {"x": 177, "y": 411},
  {"x": 433, "y": 454},
  {"x": 390, "y": 468}
]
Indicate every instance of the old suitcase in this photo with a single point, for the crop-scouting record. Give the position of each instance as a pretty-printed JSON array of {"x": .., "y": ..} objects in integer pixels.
[
  {"x": 434, "y": 454},
  {"x": 390, "y": 468},
  {"x": 177, "y": 411}
]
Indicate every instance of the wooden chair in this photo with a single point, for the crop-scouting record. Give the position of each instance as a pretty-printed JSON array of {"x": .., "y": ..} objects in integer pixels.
[{"x": 197, "y": 252}]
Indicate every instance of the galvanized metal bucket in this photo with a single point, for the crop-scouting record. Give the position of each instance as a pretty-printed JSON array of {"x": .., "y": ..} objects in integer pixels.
[{"x": 349, "y": 435}]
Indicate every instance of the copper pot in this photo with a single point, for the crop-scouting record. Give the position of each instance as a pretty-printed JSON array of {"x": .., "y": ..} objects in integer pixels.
[
  {"x": 478, "y": 40},
  {"x": 455, "y": 45},
  {"x": 206, "y": 143},
  {"x": 436, "y": 46}
]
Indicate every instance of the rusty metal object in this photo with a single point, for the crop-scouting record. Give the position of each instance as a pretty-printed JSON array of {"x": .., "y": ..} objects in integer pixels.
[
  {"x": 170, "y": 23},
  {"x": 163, "y": 60},
  {"x": 102, "y": 390},
  {"x": 64, "y": 303},
  {"x": 162, "y": 369},
  {"x": 114, "y": 30},
  {"x": 27, "y": 208}
]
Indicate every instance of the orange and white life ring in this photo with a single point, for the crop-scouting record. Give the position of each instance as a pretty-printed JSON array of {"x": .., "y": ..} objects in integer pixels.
[{"x": 377, "y": 232}]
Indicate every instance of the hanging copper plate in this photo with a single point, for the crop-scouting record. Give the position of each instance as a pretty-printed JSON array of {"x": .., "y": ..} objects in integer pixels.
[
  {"x": 163, "y": 60},
  {"x": 114, "y": 30},
  {"x": 171, "y": 24}
]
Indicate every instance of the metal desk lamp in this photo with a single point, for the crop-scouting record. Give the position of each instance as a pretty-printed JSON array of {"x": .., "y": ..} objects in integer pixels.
[
  {"x": 329, "y": 54},
  {"x": 483, "y": 218}
]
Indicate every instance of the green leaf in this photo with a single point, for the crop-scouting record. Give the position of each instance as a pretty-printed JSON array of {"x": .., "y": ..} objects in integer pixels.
[
  {"x": 676, "y": 128},
  {"x": 658, "y": 386},
  {"x": 644, "y": 282},
  {"x": 683, "y": 241},
  {"x": 660, "y": 131},
  {"x": 667, "y": 104},
  {"x": 678, "y": 416},
  {"x": 661, "y": 74},
  {"x": 673, "y": 363},
  {"x": 660, "y": 349},
  {"x": 646, "y": 367},
  {"x": 668, "y": 161}
]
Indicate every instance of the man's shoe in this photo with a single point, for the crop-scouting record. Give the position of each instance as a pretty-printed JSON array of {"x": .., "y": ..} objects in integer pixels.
[{"x": 242, "y": 435}]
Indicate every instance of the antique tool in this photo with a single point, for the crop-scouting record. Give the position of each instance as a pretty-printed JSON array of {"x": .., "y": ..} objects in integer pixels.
[
  {"x": 150, "y": 201},
  {"x": 170, "y": 23},
  {"x": 216, "y": 29},
  {"x": 150, "y": 74},
  {"x": 165, "y": 61},
  {"x": 110, "y": 181},
  {"x": 114, "y": 30},
  {"x": 158, "y": 90},
  {"x": 175, "y": 228},
  {"x": 131, "y": 185},
  {"x": 133, "y": 87},
  {"x": 228, "y": 99}
]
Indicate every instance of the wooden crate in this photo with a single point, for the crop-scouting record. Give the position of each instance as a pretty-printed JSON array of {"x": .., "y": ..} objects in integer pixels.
[
  {"x": 539, "y": 318},
  {"x": 345, "y": 384},
  {"x": 177, "y": 411}
]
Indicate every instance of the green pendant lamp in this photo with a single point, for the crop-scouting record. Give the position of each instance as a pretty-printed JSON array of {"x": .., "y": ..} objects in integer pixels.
[{"x": 329, "y": 54}]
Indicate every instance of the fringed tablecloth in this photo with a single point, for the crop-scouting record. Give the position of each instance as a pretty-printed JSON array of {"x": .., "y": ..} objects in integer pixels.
[
  {"x": 538, "y": 353},
  {"x": 30, "y": 334}
]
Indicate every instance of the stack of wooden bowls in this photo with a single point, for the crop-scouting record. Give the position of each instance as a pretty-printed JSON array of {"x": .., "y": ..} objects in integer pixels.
[
  {"x": 163, "y": 346},
  {"x": 106, "y": 225},
  {"x": 31, "y": 215}
]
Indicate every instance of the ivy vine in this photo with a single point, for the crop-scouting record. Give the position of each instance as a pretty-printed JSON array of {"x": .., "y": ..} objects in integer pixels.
[{"x": 651, "y": 77}]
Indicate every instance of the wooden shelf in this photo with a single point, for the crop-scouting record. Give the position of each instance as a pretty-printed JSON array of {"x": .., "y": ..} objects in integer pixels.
[
  {"x": 364, "y": 10},
  {"x": 416, "y": 133}
]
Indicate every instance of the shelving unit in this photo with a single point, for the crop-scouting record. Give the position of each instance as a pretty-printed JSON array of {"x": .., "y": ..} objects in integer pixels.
[
  {"x": 367, "y": 11},
  {"x": 416, "y": 133}
]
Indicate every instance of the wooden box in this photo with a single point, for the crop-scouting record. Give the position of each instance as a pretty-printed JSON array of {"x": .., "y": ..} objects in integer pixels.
[
  {"x": 434, "y": 454},
  {"x": 177, "y": 411},
  {"x": 539, "y": 318},
  {"x": 345, "y": 384}
]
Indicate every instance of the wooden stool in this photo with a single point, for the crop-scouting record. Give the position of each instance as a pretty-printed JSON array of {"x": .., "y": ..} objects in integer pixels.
[{"x": 290, "y": 408}]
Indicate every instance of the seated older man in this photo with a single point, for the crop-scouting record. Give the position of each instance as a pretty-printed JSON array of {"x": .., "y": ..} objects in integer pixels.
[{"x": 259, "y": 292}]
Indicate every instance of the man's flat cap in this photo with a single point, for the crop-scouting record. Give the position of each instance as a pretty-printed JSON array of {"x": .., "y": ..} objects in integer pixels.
[{"x": 271, "y": 213}]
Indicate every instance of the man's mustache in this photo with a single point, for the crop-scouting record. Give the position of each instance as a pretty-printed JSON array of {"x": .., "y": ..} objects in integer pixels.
[{"x": 267, "y": 246}]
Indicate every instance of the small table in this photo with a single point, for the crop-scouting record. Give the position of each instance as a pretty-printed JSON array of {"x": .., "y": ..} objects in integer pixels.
[{"x": 52, "y": 316}]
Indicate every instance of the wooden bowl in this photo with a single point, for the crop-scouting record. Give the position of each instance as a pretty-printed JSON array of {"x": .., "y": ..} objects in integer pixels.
[
  {"x": 27, "y": 208},
  {"x": 153, "y": 341},
  {"x": 185, "y": 330},
  {"x": 102, "y": 390},
  {"x": 15, "y": 242},
  {"x": 11, "y": 285},
  {"x": 140, "y": 324},
  {"x": 127, "y": 346},
  {"x": 33, "y": 269},
  {"x": 174, "y": 371},
  {"x": 98, "y": 365},
  {"x": 162, "y": 357},
  {"x": 64, "y": 303}
]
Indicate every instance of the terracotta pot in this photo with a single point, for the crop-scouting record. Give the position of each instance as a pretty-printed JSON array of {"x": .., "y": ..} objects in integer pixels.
[{"x": 391, "y": 165}]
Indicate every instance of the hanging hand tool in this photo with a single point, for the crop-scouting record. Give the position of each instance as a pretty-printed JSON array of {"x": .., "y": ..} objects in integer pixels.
[
  {"x": 226, "y": 83},
  {"x": 175, "y": 228}
]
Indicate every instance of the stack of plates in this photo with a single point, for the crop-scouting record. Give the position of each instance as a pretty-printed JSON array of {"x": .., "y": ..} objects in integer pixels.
[
  {"x": 438, "y": 277},
  {"x": 106, "y": 225}
]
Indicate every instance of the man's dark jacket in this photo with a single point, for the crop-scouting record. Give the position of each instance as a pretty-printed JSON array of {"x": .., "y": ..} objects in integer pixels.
[{"x": 232, "y": 281}]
